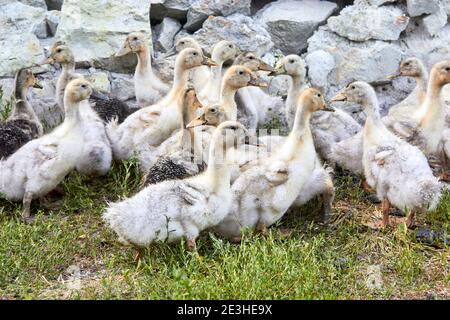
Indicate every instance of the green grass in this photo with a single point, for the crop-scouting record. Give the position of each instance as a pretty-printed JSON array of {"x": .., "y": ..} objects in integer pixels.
[
  {"x": 313, "y": 262},
  {"x": 5, "y": 105}
]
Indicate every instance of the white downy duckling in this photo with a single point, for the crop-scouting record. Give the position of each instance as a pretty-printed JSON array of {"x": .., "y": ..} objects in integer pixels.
[
  {"x": 97, "y": 154},
  {"x": 398, "y": 171},
  {"x": 221, "y": 52},
  {"x": 148, "y": 87},
  {"x": 40, "y": 165},
  {"x": 348, "y": 153},
  {"x": 148, "y": 127},
  {"x": 171, "y": 210},
  {"x": 427, "y": 125},
  {"x": 262, "y": 194},
  {"x": 198, "y": 76},
  {"x": 328, "y": 128}
]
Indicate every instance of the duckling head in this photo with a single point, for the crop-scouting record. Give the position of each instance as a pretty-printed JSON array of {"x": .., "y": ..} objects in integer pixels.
[
  {"x": 291, "y": 65},
  {"x": 238, "y": 77},
  {"x": 60, "y": 53},
  {"x": 26, "y": 79},
  {"x": 191, "y": 58},
  {"x": 251, "y": 61},
  {"x": 135, "y": 42},
  {"x": 78, "y": 90},
  {"x": 212, "y": 115},
  {"x": 359, "y": 92},
  {"x": 224, "y": 51},
  {"x": 312, "y": 100},
  {"x": 440, "y": 73},
  {"x": 231, "y": 134},
  {"x": 411, "y": 67}
]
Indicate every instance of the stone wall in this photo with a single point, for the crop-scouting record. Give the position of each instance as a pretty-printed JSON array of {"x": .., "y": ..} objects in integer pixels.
[{"x": 341, "y": 41}]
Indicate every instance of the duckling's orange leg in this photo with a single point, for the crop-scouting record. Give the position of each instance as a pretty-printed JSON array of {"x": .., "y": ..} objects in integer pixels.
[
  {"x": 262, "y": 228},
  {"x": 365, "y": 186},
  {"x": 191, "y": 245},
  {"x": 411, "y": 220},
  {"x": 386, "y": 206},
  {"x": 26, "y": 213},
  {"x": 139, "y": 254},
  {"x": 445, "y": 167}
]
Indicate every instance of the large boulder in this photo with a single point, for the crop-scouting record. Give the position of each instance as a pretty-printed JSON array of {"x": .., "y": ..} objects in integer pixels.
[
  {"x": 420, "y": 7},
  {"x": 176, "y": 9},
  {"x": 290, "y": 23},
  {"x": 435, "y": 21},
  {"x": 200, "y": 10},
  {"x": 34, "y": 3},
  {"x": 240, "y": 29},
  {"x": 361, "y": 22},
  {"x": 54, "y": 4},
  {"x": 20, "y": 47},
  {"x": 95, "y": 32},
  {"x": 164, "y": 34}
]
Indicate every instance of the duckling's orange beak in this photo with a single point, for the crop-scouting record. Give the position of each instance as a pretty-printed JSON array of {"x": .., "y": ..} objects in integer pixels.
[
  {"x": 209, "y": 62},
  {"x": 38, "y": 85},
  {"x": 200, "y": 121},
  {"x": 394, "y": 76},
  {"x": 265, "y": 67},
  {"x": 328, "y": 108},
  {"x": 257, "y": 82},
  {"x": 123, "y": 51},
  {"x": 49, "y": 60},
  {"x": 339, "y": 97}
]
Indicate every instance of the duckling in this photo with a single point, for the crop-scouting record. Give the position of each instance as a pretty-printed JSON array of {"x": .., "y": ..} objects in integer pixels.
[
  {"x": 23, "y": 125},
  {"x": 148, "y": 87},
  {"x": 170, "y": 210},
  {"x": 427, "y": 124},
  {"x": 262, "y": 194},
  {"x": 254, "y": 101},
  {"x": 198, "y": 76},
  {"x": 176, "y": 156},
  {"x": 348, "y": 153},
  {"x": 411, "y": 67},
  {"x": 40, "y": 165},
  {"x": 106, "y": 108},
  {"x": 328, "y": 128},
  {"x": 222, "y": 52},
  {"x": 148, "y": 127},
  {"x": 398, "y": 171}
]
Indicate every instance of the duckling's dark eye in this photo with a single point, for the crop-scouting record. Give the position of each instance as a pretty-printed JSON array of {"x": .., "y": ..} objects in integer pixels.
[
  {"x": 135, "y": 38},
  {"x": 212, "y": 110},
  {"x": 251, "y": 57},
  {"x": 319, "y": 95},
  {"x": 291, "y": 61},
  {"x": 407, "y": 63},
  {"x": 182, "y": 42},
  {"x": 233, "y": 128},
  {"x": 447, "y": 69},
  {"x": 59, "y": 50},
  {"x": 353, "y": 87},
  {"x": 83, "y": 86},
  {"x": 241, "y": 72},
  {"x": 194, "y": 53},
  {"x": 230, "y": 46}
]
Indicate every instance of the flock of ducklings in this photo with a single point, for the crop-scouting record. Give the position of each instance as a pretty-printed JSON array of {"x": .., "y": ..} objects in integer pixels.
[{"x": 203, "y": 167}]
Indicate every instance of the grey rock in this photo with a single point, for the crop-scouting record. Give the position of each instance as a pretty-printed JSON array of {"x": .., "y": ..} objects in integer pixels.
[
  {"x": 35, "y": 3},
  {"x": 240, "y": 29},
  {"x": 95, "y": 37},
  {"x": 122, "y": 86},
  {"x": 165, "y": 33},
  {"x": 376, "y": 3},
  {"x": 290, "y": 23},
  {"x": 420, "y": 7},
  {"x": 361, "y": 22},
  {"x": 52, "y": 18},
  {"x": 40, "y": 30},
  {"x": 195, "y": 19},
  {"x": 435, "y": 22},
  {"x": 176, "y": 9},
  {"x": 99, "y": 80},
  {"x": 54, "y": 4}
]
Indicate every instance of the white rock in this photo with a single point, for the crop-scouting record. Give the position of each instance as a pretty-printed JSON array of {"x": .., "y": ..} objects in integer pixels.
[
  {"x": 35, "y": 3},
  {"x": 240, "y": 29},
  {"x": 377, "y": 3},
  {"x": 199, "y": 11},
  {"x": 122, "y": 86},
  {"x": 165, "y": 33},
  {"x": 361, "y": 22},
  {"x": 435, "y": 22},
  {"x": 100, "y": 81},
  {"x": 320, "y": 64},
  {"x": 16, "y": 17},
  {"x": 52, "y": 18},
  {"x": 95, "y": 31},
  {"x": 419, "y": 7},
  {"x": 290, "y": 23}
]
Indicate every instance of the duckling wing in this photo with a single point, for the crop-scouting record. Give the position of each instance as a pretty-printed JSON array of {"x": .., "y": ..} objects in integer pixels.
[
  {"x": 192, "y": 194},
  {"x": 277, "y": 173},
  {"x": 405, "y": 129}
]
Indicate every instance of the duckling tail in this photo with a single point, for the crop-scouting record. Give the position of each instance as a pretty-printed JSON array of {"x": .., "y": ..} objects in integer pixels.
[{"x": 430, "y": 192}]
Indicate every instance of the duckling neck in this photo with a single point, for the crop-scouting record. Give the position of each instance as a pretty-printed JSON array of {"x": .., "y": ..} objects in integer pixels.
[
  {"x": 301, "y": 124},
  {"x": 144, "y": 63},
  {"x": 72, "y": 116},
  {"x": 181, "y": 77},
  {"x": 228, "y": 103},
  {"x": 373, "y": 126},
  {"x": 20, "y": 108},
  {"x": 68, "y": 69},
  {"x": 217, "y": 171},
  {"x": 295, "y": 89},
  {"x": 432, "y": 109}
]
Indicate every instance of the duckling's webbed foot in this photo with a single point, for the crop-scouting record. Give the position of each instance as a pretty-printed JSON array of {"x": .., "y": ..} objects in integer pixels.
[
  {"x": 386, "y": 206},
  {"x": 191, "y": 245},
  {"x": 139, "y": 254},
  {"x": 261, "y": 228}
]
